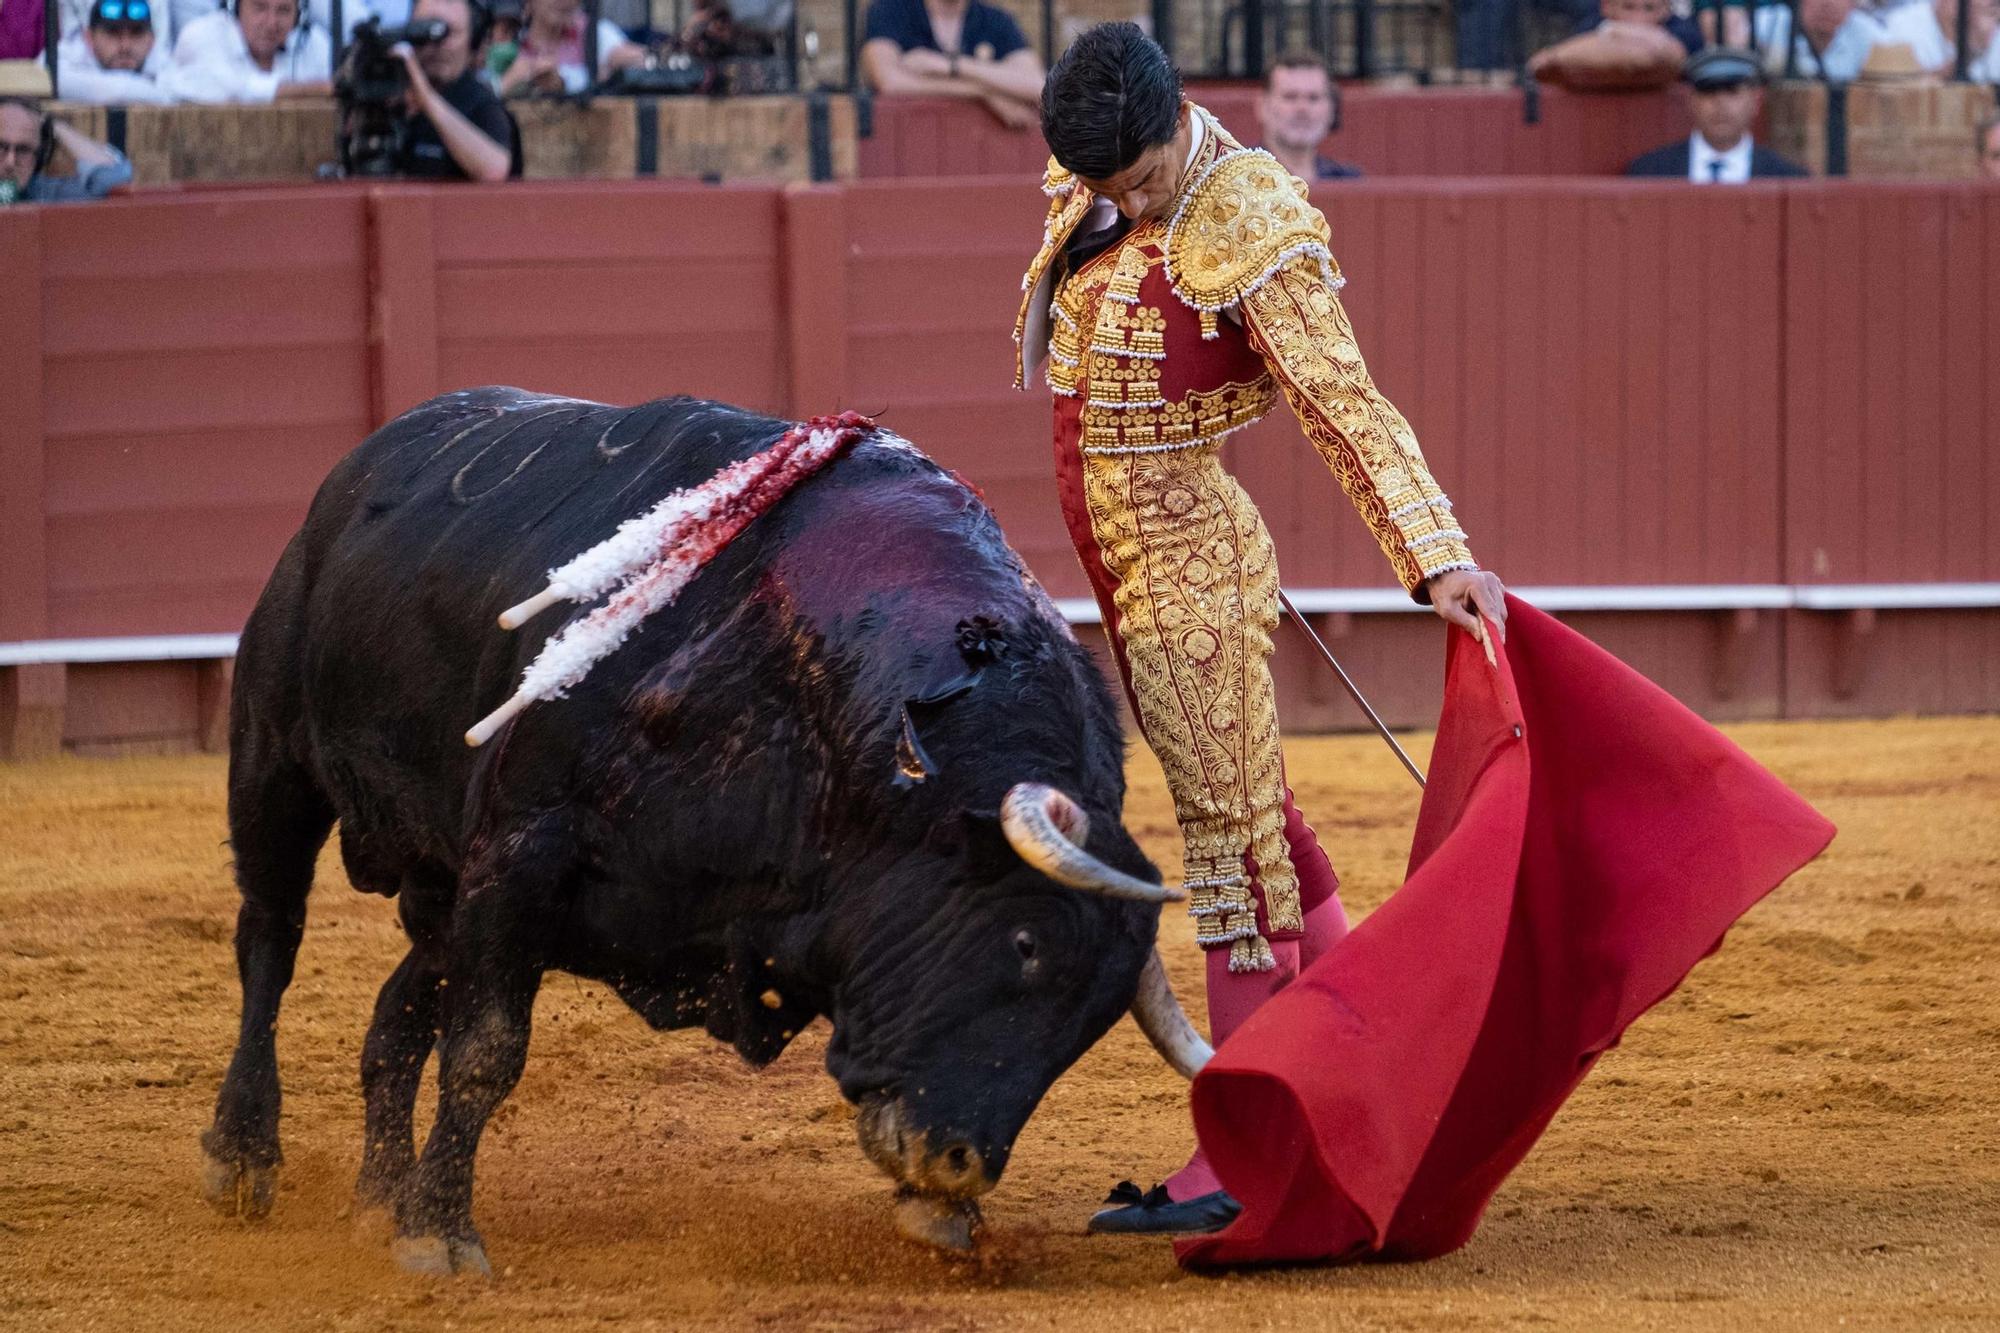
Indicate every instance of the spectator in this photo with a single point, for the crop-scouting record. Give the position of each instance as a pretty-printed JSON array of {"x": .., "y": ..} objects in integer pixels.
[
  {"x": 28, "y": 137},
  {"x": 260, "y": 51},
  {"x": 504, "y": 43},
  {"x": 954, "y": 48},
  {"x": 1638, "y": 44},
  {"x": 550, "y": 58},
  {"x": 76, "y": 17},
  {"x": 1840, "y": 31},
  {"x": 1930, "y": 30},
  {"x": 115, "y": 57},
  {"x": 1989, "y": 149},
  {"x": 456, "y": 128},
  {"x": 1298, "y": 109},
  {"x": 21, "y": 29},
  {"x": 1728, "y": 93}
]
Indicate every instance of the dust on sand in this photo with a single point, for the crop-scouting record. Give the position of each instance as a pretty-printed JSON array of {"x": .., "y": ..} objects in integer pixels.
[{"x": 1808, "y": 1133}]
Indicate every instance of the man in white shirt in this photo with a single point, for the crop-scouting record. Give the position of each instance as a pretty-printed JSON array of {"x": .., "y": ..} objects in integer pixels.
[
  {"x": 1842, "y": 32},
  {"x": 1728, "y": 93},
  {"x": 114, "y": 59},
  {"x": 263, "y": 50},
  {"x": 1930, "y": 30}
]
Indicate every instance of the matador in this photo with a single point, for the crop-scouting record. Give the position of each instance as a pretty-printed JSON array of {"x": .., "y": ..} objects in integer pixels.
[{"x": 1184, "y": 285}]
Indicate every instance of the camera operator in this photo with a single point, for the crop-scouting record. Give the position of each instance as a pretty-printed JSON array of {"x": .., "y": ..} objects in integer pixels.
[{"x": 456, "y": 128}]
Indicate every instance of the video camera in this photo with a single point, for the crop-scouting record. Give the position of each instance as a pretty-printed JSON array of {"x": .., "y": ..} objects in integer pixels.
[{"x": 370, "y": 84}]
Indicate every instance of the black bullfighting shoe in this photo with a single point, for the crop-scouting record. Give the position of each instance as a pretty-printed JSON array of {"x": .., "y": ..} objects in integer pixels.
[{"x": 1153, "y": 1213}]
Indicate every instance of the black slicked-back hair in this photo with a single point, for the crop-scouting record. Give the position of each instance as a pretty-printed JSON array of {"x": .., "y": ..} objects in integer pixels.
[{"x": 1113, "y": 95}]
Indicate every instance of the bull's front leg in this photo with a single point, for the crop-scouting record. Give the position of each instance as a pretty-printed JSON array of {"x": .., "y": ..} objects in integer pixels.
[{"x": 500, "y": 934}]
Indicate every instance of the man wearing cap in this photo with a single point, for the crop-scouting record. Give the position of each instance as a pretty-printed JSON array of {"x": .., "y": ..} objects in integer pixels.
[
  {"x": 1728, "y": 87},
  {"x": 115, "y": 58}
]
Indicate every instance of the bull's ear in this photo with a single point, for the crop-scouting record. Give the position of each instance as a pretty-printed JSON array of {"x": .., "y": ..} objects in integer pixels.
[{"x": 913, "y": 763}]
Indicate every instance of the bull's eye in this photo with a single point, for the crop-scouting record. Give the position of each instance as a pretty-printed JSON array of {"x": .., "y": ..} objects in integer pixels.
[{"x": 1024, "y": 944}]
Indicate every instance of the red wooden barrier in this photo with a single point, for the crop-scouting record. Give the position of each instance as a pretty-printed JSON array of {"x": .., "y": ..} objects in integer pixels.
[
  {"x": 202, "y": 365},
  {"x": 1621, "y": 383},
  {"x": 620, "y": 292},
  {"x": 1892, "y": 414},
  {"x": 1384, "y": 131}
]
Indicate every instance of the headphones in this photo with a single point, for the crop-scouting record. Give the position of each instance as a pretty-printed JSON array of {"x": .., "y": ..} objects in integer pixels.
[
  {"x": 301, "y": 20},
  {"x": 45, "y": 137},
  {"x": 478, "y": 24}
]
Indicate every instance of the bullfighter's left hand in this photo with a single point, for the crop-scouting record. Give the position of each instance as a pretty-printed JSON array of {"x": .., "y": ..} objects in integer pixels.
[{"x": 1463, "y": 595}]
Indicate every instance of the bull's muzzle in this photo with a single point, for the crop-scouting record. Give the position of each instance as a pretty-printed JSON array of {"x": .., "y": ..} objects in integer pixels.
[{"x": 952, "y": 1169}]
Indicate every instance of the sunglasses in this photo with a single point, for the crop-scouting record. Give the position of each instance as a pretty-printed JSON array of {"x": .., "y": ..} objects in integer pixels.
[{"x": 122, "y": 11}]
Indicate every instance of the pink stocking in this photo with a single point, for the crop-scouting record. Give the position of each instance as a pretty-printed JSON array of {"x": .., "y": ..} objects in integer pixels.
[
  {"x": 1326, "y": 926},
  {"x": 1233, "y": 997}
]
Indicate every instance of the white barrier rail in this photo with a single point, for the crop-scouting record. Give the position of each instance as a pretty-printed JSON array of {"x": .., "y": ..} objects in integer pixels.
[{"x": 1312, "y": 601}]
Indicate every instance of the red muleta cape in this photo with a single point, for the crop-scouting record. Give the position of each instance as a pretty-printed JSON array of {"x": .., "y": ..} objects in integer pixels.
[{"x": 1584, "y": 841}]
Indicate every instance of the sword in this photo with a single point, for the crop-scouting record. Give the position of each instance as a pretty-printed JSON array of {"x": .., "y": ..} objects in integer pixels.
[{"x": 1381, "y": 728}]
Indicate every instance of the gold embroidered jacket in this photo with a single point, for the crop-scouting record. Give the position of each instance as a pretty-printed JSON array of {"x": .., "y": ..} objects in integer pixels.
[{"x": 1243, "y": 238}]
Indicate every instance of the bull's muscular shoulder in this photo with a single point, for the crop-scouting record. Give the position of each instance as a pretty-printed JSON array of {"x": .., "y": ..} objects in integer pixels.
[{"x": 1242, "y": 221}]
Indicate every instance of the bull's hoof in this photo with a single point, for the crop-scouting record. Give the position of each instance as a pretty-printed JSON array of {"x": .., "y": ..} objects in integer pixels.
[
  {"x": 437, "y": 1256},
  {"x": 946, "y": 1224},
  {"x": 238, "y": 1188}
]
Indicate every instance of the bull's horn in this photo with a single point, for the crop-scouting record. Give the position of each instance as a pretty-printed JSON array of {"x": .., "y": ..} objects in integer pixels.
[
  {"x": 1160, "y": 1017},
  {"x": 1034, "y": 818}
]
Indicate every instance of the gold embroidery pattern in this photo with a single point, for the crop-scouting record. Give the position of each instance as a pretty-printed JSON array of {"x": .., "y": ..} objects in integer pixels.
[
  {"x": 1296, "y": 322},
  {"x": 1121, "y": 359},
  {"x": 1197, "y": 600},
  {"x": 1200, "y": 418},
  {"x": 1243, "y": 219},
  {"x": 1072, "y": 326},
  {"x": 1068, "y": 202},
  {"x": 1116, "y": 378}
]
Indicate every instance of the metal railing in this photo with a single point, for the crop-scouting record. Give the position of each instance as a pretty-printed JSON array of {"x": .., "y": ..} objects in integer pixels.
[{"x": 1432, "y": 38}]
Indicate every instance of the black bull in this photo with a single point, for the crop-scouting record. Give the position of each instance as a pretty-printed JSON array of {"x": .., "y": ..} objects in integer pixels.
[{"x": 779, "y": 799}]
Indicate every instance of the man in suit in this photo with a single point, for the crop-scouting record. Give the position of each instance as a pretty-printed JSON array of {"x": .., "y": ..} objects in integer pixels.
[{"x": 1728, "y": 93}]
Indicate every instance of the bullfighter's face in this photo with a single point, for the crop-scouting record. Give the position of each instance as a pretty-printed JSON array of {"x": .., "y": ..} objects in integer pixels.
[{"x": 1151, "y": 185}]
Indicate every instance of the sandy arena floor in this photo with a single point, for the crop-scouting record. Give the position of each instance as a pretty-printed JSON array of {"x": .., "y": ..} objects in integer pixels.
[{"x": 1807, "y": 1135}]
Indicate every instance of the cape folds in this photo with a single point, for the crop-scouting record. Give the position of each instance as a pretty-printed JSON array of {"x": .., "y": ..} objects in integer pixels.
[{"x": 1583, "y": 842}]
